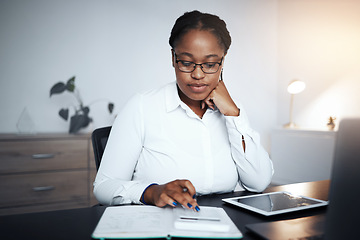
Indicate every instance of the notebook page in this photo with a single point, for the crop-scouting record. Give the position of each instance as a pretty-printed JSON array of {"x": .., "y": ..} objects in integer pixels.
[{"x": 133, "y": 221}]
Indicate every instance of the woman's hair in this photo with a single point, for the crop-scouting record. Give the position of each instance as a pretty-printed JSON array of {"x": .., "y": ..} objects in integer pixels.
[{"x": 201, "y": 21}]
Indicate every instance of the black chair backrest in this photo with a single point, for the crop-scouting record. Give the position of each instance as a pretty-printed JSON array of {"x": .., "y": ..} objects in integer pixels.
[{"x": 99, "y": 139}]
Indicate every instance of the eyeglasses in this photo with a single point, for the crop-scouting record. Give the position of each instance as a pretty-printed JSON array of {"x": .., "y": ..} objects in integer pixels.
[{"x": 188, "y": 67}]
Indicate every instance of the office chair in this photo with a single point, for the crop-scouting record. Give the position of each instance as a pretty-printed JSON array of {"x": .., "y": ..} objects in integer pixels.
[{"x": 99, "y": 139}]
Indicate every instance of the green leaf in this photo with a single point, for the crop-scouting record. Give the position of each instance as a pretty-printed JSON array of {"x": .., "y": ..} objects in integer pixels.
[
  {"x": 111, "y": 107},
  {"x": 79, "y": 121},
  {"x": 86, "y": 110},
  {"x": 64, "y": 113},
  {"x": 58, "y": 88},
  {"x": 70, "y": 85}
]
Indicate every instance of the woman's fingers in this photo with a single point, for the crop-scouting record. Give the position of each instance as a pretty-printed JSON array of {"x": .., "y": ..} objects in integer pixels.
[
  {"x": 222, "y": 99},
  {"x": 186, "y": 184},
  {"x": 164, "y": 200},
  {"x": 208, "y": 101},
  {"x": 183, "y": 192},
  {"x": 174, "y": 193}
]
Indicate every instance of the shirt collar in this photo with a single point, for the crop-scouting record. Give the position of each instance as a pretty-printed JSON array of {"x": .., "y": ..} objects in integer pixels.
[{"x": 172, "y": 97}]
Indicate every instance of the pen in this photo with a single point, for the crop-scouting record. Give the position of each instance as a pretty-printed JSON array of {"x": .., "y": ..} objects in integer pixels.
[{"x": 200, "y": 218}]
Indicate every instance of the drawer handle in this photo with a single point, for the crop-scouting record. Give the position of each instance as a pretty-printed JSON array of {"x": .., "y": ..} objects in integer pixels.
[
  {"x": 44, "y": 188},
  {"x": 43, "y": 155}
]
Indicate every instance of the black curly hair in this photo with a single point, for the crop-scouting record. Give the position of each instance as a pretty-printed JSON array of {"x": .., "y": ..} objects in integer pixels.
[{"x": 202, "y": 21}]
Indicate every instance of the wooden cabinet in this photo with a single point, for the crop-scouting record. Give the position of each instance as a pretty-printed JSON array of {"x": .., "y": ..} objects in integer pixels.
[{"x": 45, "y": 172}]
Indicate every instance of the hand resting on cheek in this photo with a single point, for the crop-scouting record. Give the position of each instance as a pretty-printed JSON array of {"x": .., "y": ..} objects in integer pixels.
[{"x": 222, "y": 99}]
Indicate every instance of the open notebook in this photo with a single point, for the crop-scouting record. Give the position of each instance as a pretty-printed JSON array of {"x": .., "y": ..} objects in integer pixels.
[{"x": 153, "y": 222}]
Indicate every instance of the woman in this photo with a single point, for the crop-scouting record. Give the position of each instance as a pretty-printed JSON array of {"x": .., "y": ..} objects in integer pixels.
[{"x": 188, "y": 137}]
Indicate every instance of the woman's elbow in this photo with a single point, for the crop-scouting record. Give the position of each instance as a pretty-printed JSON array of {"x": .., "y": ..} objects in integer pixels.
[{"x": 261, "y": 182}]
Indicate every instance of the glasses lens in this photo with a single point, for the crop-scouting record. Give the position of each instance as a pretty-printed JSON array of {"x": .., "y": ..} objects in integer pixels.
[
  {"x": 210, "y": 67},
  {"x": 186, "y": 66}
]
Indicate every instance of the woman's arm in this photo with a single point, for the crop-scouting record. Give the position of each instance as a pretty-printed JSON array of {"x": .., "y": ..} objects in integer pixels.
[
  {"x": 113, "y": 183},
  {"x": 253, "y": 163}
]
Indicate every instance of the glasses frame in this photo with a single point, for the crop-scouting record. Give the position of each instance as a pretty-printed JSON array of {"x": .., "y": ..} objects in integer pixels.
[{"x": 197, "y": 64}]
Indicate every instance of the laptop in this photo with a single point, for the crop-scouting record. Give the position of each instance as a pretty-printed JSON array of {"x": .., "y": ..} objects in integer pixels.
[{"x": 343, "y": 213}]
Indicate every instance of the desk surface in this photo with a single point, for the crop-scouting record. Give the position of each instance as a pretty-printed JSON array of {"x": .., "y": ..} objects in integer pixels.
[{"x": 80, "y": 223}]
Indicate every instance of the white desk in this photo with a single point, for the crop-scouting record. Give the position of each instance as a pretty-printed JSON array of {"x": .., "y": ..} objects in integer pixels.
[{"x": 301, "y": 155}]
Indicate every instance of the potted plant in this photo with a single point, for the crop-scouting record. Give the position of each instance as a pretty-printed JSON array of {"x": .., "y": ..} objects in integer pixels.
[{"x": 81, "y": 118}]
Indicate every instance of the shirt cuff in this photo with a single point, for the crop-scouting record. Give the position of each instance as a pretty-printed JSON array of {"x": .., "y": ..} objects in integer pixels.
[
  {"x": 134, "y": 191},
  {"x": 238, "y": 123}
]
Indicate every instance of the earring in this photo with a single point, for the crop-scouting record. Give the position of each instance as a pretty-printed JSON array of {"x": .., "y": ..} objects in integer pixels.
[{"x": 221, "y": 75}]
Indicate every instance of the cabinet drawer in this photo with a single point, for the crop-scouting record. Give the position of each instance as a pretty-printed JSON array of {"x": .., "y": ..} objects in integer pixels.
[
  {"x": 27, "y": 189},
  {"x": 38, "y": 155}
]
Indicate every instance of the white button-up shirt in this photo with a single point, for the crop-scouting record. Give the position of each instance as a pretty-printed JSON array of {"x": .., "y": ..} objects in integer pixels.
[{"x": 157, "y": 138}]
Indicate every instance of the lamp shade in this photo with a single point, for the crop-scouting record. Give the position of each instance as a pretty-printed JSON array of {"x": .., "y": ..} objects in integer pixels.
[{"x": 296, "y": 86}]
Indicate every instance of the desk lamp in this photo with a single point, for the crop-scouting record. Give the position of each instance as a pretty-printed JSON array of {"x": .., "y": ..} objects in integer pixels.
[{"x": 294, "y": 87}]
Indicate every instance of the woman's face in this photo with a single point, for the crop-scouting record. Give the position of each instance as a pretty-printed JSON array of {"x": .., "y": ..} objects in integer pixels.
[{"x": 198, "y": 46}]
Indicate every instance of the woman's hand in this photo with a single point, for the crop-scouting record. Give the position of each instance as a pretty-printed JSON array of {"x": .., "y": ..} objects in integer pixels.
[
  {"x": 173, "y": 193},
  {"x": 222, "y": 99}
]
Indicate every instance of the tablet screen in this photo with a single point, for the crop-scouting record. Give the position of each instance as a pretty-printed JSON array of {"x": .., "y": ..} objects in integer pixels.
[{"x": 275, "y": 203}]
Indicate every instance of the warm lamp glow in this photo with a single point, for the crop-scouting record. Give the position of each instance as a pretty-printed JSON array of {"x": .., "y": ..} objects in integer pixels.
[{"x": 294, "y": 87}]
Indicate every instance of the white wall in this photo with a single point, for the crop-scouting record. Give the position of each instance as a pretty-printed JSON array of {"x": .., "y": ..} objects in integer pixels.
[
  {"x": 319, "y": 43},
  {"x": 112, "y": 47}
]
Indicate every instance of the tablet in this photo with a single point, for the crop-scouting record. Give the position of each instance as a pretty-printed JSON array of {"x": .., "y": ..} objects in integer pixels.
[{"x": 269, "y": 204}]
